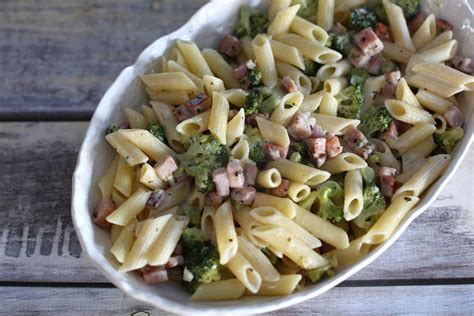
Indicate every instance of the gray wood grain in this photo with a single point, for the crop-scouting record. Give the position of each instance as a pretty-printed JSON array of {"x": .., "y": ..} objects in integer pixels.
[
  {"x": 37, "y": 242},
  {"x": 58, "y": 57},
  {"x": 427, "y": 300}
]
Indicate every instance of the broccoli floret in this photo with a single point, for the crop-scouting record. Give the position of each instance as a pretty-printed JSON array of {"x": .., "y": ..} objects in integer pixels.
[
  {"x": 253, "y": 102},
  {"x": 447, "y": 140},
  {"x": 315, "y": 275},
  {"x": 357, "y": 77},
  {"x": 362, "y": 18},
  {"x": 368, "y": 175},
  {"x": 194, "y": 215},
  {"x": 308, "y": 8},
  {"x": 201, "y": 258},
  {"x": 350, "y": 102},
  {"x": 341, "y": 42},
  {"x": 256, "y": 142},
  {"x": 255, "y": 77},
  {"x": 203, "y": 157},
  {"x": 302, "y": 149},
  {"x": 374, "y": 204},
  {"x": 331, "y": 201},
  {"x": 251, "y": 22},
  {"x": 311, "y": 67},
  {"x": 157, "y": 130},
  {"x": 309, "y": 201},
  {"x": 374, "y": 121},
  {"x": 112, "y": 129},
  {"x": 410, "y": 8}
]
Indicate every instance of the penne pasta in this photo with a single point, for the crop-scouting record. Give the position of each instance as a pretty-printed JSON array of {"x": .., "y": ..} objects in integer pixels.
[
  {"x": 218, "y": 117},
  {"x": 343, "y": 162},
  {"x": 168, "y": 81},
  {"x": 299, "y": 172},
  {"x": 225, "y": 233},
  {"x": 313, "y": 50},
  {"x": 195, "y": 60},
  {"x": 222, "y": 290},
  {"x": 269, "y": 178},
  {"x": 283, "y": 20},
  {"x": 265, "y": 60},
  {"x": 273, "y": 132}
]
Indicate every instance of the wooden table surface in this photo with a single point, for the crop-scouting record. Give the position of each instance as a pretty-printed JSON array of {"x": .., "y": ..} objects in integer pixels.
[{"x": 57, "y": 58}]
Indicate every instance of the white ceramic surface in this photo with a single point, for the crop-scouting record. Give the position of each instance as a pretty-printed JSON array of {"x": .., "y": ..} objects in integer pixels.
[{"x": 206, "y": 27}]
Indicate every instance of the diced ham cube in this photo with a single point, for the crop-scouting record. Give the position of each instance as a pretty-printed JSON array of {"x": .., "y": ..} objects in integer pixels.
[
  {"x": 364, "y": 151},
  {"x": 103, "y": 209},
  {"x": 281, "y": 190},
  {"x": 165, "y": 168},
  {"x": 333, "y": 146},
  {"x": 235, "y": 172},
  {"x": 301, "y": 125},
  {"x": 391, "y": 134},
  {"x": 387, "y": 181},
  {"x": 338, "y": 28},
  {"x": 358, "y": 59},
  {"x": 391, "y": 83},
  {"x": 221, "y": 180},
  {"x": 402, "y": 127},
  {"x": 182, "y": 113},
  {"x": 199, "y": 104},
  {"x": 214, "y": 199},
  {"x": 383, "y": 32},
  {"x": 463, "y": 64},
  {"x": 240, "y": 72},
  {"x": 454, "y": 116},
  {"x": 148, "y": 268},
  {"x": 174, "y": 262},
  {"x": 354, "y": 138},
  {"x": 375, "y": 65},
  {"x": 244, "y": 195},
  {"x": 368, "y": 42},
  {"x": 155, "y": 277},
  {"x": 156, "y": 198},
  {"x": 319, "y": 131},
  {"x": 274, "y": 151},
  {"x": 230, "y": 46},
  {"x": 250, "y": 173},
  {"x": 416, "y": 22},
  {"x": 289, "y": 84},
  {"x": 317, "y": 148},
  {"x": 443, "y": 25}
]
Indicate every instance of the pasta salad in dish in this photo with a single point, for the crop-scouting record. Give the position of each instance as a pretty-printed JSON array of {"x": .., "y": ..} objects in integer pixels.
[{"x": 288, "y": 152}]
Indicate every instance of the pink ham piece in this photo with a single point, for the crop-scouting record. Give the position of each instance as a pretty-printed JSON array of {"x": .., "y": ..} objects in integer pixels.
[
  {"x": 333, "y": 146},
  {"x": 230, "y": 46},
  {"x": 463, "y": 64},
  {"x": 317, "y": 148},
  {"x": 240, "y": 72},
  {"x": 383, "y": 32},
  {"x": 358, "y": 143},
  {"x": 214, "y": 199},
  {"x": 221, "y": 180},
  {"x": 244, "y": 196},
  {"x": 301, "y": 125},
  {"x": 281, "y": 190},
  {"x": 387, "y": 181},
  {"x": 454, "y": 116},
  {"x": 174, "y": 262},
  {"x": 252, "y": 120},
  {"x": 103, "y": 209},
  {"x": 358, "y": 59},
  {"x": 443, "y": 26},
  {"x": 165, "y": 168},
  {"x": 391, "y": 134},
  {"x": 155, "y": 276},
  {"x": 156, "y": 198},
  {"x": 375, "y": 65},
  {"x": 250, "y": 173},
  {"x": 182, "y": 113},
  {"x": 274, "y": 151},
  {"x": 289, "y": 84},
  {"x": 368, "y": 42},
  {"x": 391, "y": 83},
  {"x": 235, "y": 173},
  {"x": 199, "y": 104},
  {"x": 319, "y": 131}
]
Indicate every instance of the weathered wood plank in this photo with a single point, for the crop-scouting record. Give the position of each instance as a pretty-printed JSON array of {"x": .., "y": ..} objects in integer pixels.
[
  {"x": 37, "y": 242},
  {"x": 58, "y": 57},
  {"x": 339, "y": 301}
]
